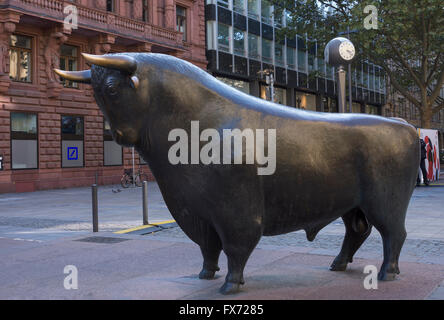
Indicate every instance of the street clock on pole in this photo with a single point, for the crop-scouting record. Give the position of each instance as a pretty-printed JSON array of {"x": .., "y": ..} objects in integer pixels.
[{"x": 339, "y": 52}]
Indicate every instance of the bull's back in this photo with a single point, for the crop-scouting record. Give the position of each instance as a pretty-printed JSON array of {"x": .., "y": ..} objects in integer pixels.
[{"x": 324, "y": 169}]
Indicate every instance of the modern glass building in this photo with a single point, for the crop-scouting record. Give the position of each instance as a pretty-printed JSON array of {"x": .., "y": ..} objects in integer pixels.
[{"x": 242, "y": 44}]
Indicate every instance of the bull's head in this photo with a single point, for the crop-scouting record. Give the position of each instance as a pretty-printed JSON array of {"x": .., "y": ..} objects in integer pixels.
[{"x": 114, "y": 80}]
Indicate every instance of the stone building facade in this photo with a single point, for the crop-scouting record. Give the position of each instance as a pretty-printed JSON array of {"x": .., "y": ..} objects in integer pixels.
[{"x": 52, "y": 134}]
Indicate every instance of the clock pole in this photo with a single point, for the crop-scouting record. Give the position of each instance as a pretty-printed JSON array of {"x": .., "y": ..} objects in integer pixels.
[{"x": 341, "y": 89}]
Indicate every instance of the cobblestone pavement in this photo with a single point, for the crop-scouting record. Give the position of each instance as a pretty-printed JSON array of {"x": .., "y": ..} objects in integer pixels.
[
  {"x": 422, "y": 250},
  {"x": 52, "y": 214}
]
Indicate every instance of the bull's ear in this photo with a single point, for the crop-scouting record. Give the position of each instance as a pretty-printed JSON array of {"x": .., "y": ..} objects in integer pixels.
[{"x": 135, "y": 82}]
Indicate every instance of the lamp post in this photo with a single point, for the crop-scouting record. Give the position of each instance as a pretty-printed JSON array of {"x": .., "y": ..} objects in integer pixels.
[{"x": 269, "y": 80}]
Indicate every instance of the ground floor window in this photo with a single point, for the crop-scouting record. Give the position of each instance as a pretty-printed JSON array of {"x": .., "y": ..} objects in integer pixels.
[
  {"x": 112, "y": 152},
  {"x": 280, "y": 96},
  {"x": 72, "y": 141},
  {"x": 305, "y": 101},
  {"x": 371, "y": 109},
  {"x": 240, "y": 85},
  {"x": 24, "y": 140},
  {"x": 356, "y": 107}
]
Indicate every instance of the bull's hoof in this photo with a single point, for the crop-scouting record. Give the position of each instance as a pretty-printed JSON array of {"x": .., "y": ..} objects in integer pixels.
[
  {"x": 207, "y": 274},
  {"x": 230, "y": 288},
  {"x": 338, "y": 265},
  {"x": 387, "y": 276}
]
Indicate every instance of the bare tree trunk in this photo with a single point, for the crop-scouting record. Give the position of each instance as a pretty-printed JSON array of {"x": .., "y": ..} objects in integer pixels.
[{"x": 426, "y": 116}]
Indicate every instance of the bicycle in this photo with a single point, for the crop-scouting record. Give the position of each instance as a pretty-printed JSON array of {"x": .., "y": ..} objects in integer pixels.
[{"x": 129, "y": 179}]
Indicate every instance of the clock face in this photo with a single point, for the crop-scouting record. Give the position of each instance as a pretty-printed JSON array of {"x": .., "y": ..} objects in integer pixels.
[{"x": 347, "y": 50}]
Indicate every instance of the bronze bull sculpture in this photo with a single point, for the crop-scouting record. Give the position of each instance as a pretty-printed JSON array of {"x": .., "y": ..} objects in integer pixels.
[{"x": 361, "y": 168}]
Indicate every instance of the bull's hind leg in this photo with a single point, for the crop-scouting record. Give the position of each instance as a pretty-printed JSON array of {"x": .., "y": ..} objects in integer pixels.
[
  {"x": 357, "y": 230},
  {"x": 390, "y": 224}
]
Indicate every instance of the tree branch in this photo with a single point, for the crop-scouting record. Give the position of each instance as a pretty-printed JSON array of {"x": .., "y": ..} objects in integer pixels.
[
  {"x": 404, "y": 62},
  {"x": 437, "y": 89},
  {"x": 401, "y": 89}
]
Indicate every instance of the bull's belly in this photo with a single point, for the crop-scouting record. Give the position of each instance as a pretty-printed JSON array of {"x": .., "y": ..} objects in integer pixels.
[
  {"x": 305, "y": 212},
  {"x": 274, "y": 227}
]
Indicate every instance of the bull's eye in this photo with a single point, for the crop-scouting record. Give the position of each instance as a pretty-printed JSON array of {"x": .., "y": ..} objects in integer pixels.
[
  {"x": 112, "y": 90},
  {"x": 111, "y": 86}
]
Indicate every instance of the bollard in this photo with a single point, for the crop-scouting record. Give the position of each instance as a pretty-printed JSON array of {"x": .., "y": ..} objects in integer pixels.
[
  {"x": 145, "y": 202},
  {"x": 95, "y": 208}
]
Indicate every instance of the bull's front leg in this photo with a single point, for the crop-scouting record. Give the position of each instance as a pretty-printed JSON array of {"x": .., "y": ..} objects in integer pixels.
[
  {"x": 211, "y": 249},
  {"x": 238, "y": 244}
]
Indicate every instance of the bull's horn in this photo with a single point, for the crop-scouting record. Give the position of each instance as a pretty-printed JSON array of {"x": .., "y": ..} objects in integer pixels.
[
  {"x": 124, "y": 63},
  {"x": 76, "y": 76}
]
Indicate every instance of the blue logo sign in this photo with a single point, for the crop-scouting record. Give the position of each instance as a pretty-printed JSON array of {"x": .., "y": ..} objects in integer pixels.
[{"x": 73, "y": 153}]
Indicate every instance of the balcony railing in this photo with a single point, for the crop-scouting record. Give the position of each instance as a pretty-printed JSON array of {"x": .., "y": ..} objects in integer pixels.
[{"x": 96, "y": 19}]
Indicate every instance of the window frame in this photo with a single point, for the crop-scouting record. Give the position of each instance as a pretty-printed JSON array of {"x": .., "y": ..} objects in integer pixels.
[
  {"x": 73, "y": 85},
  {"x": 12, "y": 138},
  {"x": 20, "y": 49},
  {"x": 71, "y": 137},
  {"x": 107, "y": 136},
  {"x": 244, "y": 40},
  {"x": 113, "y": 6},
  {"x": 223, "y": 47},
  {"x": 185, "y": 19},
  {"x": 145, "y": 10}
]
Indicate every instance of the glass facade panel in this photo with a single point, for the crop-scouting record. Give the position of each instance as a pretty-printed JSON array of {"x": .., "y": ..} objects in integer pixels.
[
  {"x": 267, "y": 47},
  {"x": 223, "y": 3},
  {"x": 223, "y": 37},
  {"x": 279, "y": 54},
  {"x": 302, "y": 62},
  {"x": 253, "y": 9},
  {"x": 321, "y": 67},
  {"x": 266, "y": 12},
  {"x": 329, "y": 72},
  {"x": 239, "y": 42},
  {"x": 291, "y": 62},
  {"x": 371, "y": 78},
  {"x": 253, "y": 46},
  {"x": 238, "y": 6}
]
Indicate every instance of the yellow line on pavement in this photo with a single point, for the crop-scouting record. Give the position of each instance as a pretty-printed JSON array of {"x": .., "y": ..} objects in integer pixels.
[
  {"x": 163, "y": 222},
  {"x": 144, "y": 226}
]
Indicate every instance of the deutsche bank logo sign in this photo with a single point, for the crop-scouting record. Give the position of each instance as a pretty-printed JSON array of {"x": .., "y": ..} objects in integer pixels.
[{"x": 73, "y": 153}]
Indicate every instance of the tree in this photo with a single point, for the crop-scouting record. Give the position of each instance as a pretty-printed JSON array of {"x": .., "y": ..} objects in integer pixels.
[{"x": 405, "y": 38}]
